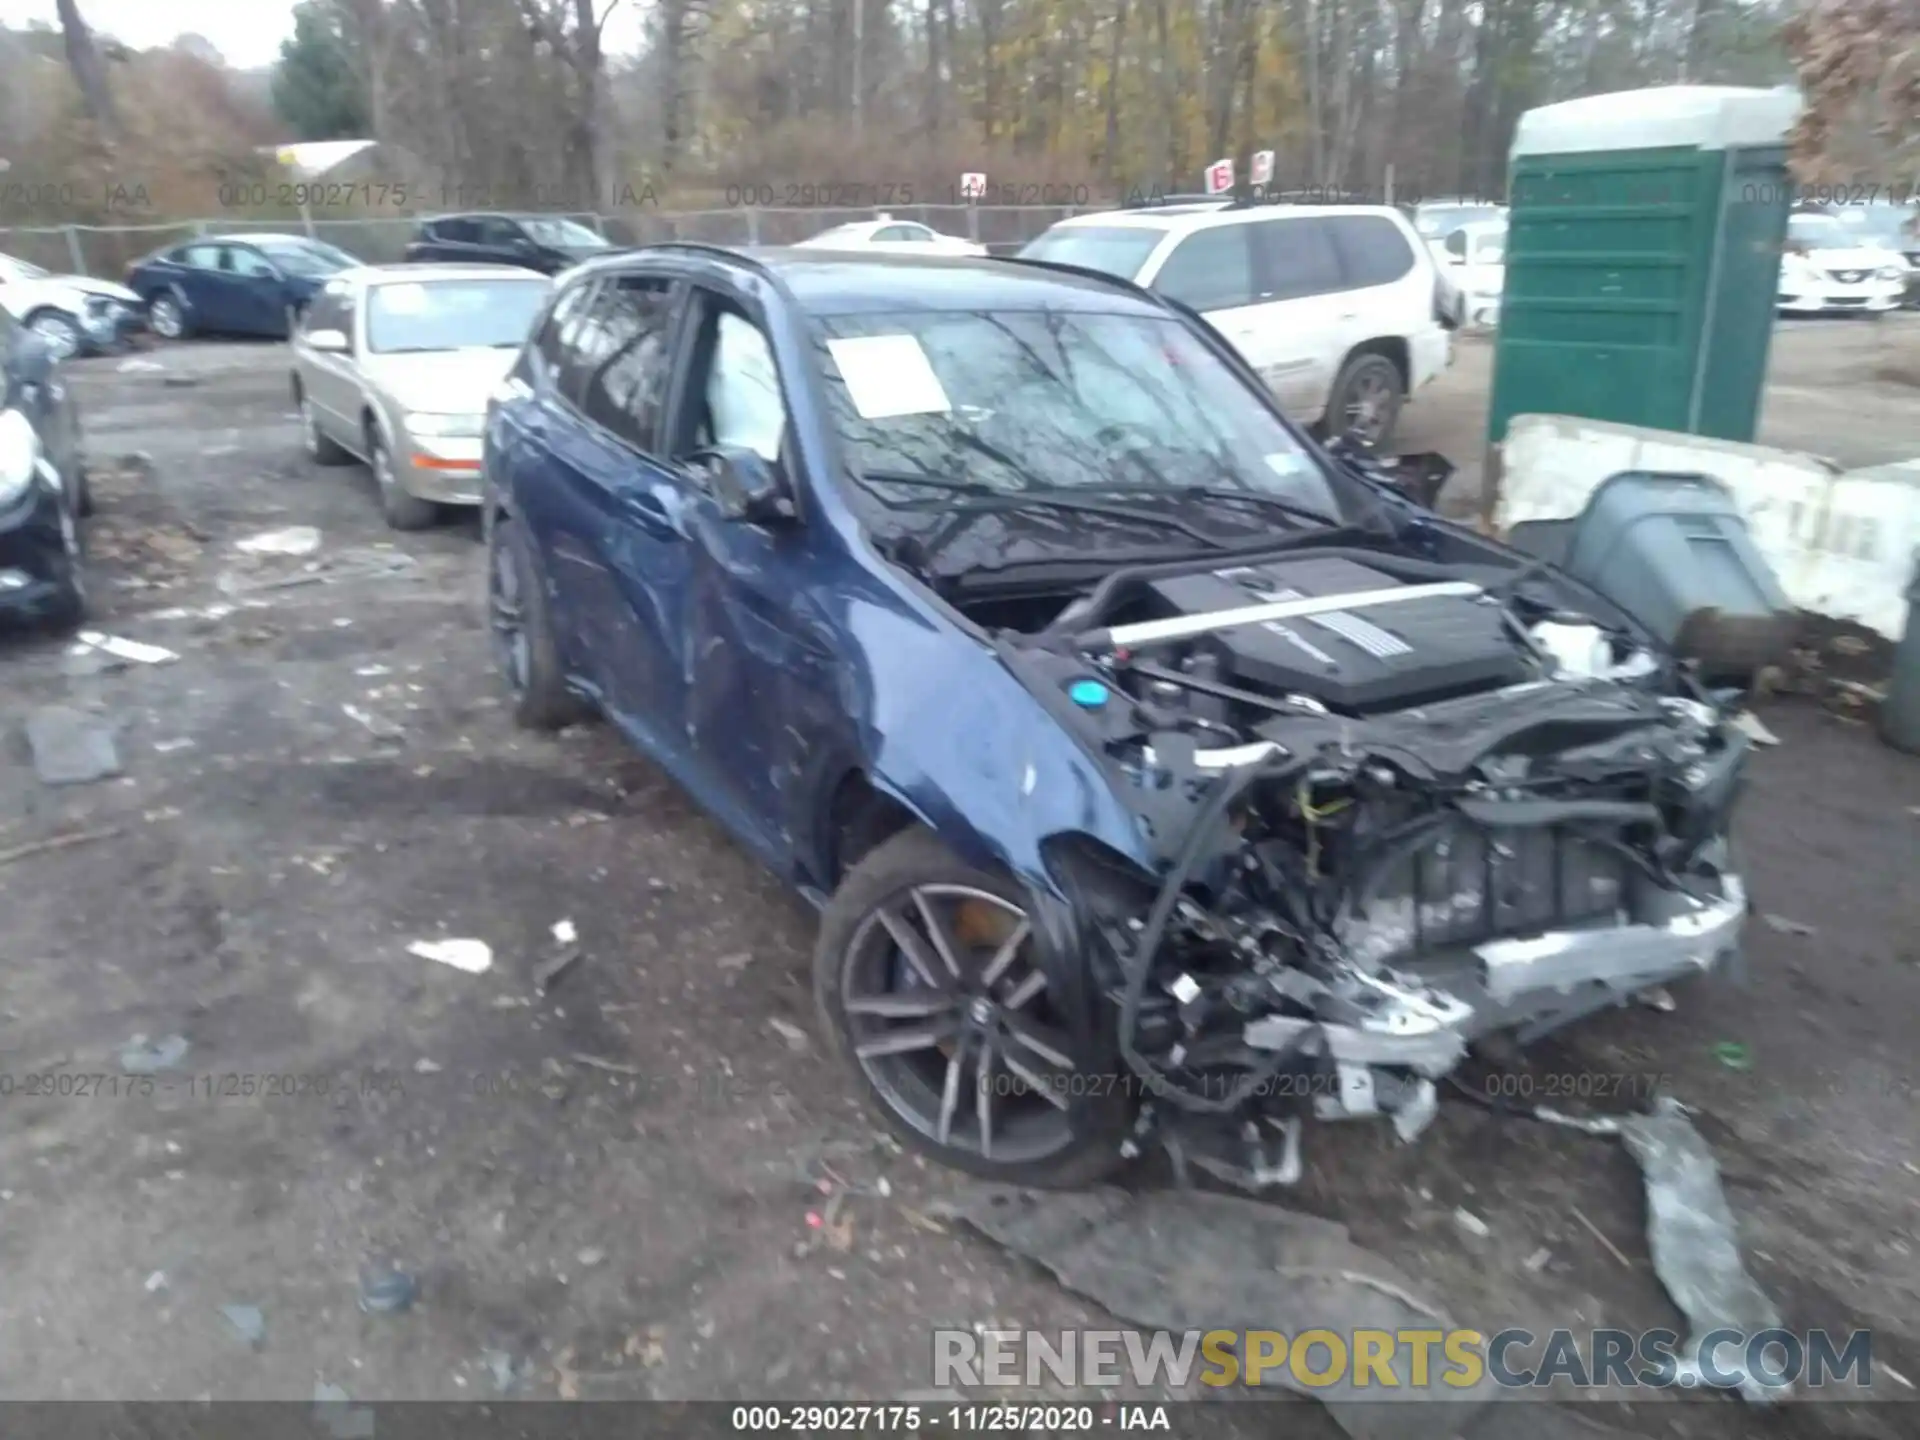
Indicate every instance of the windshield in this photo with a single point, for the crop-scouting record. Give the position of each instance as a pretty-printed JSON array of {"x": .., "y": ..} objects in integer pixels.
[
  {"x": 20, "y": 269},
  {"x": 1111, "y": 249},
  {"x": 1021, "y": 402},
  {"x": 306, "y": 257},
  {"x": 550, "y": 230},
  {"x": 1820, "y": 232},
  {"x": 1435, "y": 221},
  {"x": 1890, "y": 225},
  {"x": 452, "y": 314}
]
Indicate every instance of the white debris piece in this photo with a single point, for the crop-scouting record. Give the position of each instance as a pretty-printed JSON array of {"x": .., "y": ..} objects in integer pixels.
[
  {"x": 129, "y": 367},
  {"x": 1756, "y": 731},
  {"x": 293, "y": 540},
  {"x": 473, "y": 956},
  {"x": 564, "y": 933},
  {"x": 1471, "y": 1223},
  {"x": 121, "y": 648}
]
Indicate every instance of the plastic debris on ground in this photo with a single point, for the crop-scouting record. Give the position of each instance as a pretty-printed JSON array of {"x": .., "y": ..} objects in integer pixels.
[
  {"x": 1472, "y": 1223},
  {"x": 1693, "y": 1237},
  {"x": 1733, "y": 1055},
  {"x": 375, "y": 726},
  {"x": 567, "y": 940},
  {"x": 137, "y": 1057},
  {"x": 1781, "y": 925},
  {"x": 293, "y": 540},
  {"x": 70, "y": 747},
  {"x": 121, "y": 648},
  {"x": 473, "y": 956},
  {"x": 1163, "y": 1259},
  {"x": 335, "y": 1412},
  {"x": 386, "y": 1291},
  {"x": 795, "y": 1037},
  {"x": 1754, "y": 728},
  {"x": 247, "y": 1322}
]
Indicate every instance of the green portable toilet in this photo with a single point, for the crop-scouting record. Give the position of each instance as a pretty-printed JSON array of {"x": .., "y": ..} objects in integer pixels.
[{"x": 1643, "y": 259}]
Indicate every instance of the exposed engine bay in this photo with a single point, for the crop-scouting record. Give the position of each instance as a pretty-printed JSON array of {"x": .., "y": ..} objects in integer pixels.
[{"x": 1398, "y": 804}]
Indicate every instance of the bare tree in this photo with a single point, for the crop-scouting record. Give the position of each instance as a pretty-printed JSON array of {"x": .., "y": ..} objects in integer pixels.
[{"x": 89, "y": 70}]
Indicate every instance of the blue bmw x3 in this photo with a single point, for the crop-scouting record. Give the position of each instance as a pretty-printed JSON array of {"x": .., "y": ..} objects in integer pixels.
[{"x": 1157, "y": 770}]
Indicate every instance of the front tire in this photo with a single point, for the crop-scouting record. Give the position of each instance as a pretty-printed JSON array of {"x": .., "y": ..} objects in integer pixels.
[
  {"x": 927, "y": 975},
  {"x": 167, "y": 317},
  {"x": 403, "y": 511},
  {"x": 321, "y": 448},
  {"x": 1365, "y": 401},
  {"x": 524, "y": 645},
  {"x": 69, "y": 606}
]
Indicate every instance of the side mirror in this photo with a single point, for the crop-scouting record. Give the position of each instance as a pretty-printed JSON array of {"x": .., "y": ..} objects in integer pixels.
[
  {"x": 327, "y": 342},
  {"x": 747, "y": 487}
]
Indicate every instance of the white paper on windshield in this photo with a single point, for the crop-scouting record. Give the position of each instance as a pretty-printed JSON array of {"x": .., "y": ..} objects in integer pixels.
[
  {"x": 1285, "y": 462},
  {"x": 889, "y": 375},
  {"x": 408, "y": 299}
]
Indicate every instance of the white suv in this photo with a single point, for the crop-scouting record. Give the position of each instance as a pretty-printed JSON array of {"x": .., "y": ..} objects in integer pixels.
[{"x": 1340, "y": 308}]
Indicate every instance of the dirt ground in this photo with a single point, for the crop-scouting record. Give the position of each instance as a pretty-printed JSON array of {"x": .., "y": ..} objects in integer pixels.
[
  {"x": 1843, "y": 387},
  {"x": 604, "y": 1192}
]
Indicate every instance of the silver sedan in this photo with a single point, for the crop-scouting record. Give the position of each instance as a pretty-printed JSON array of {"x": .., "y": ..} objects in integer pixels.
[{"x": 392, "y": 366}]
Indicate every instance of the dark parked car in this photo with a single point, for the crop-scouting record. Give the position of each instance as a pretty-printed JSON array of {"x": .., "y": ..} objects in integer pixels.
[
  {"x": 547, "y": 243},
  {"x": 43, "y": 490},
  {"x": 233, "y": 284},
  {"x": 1154, "y": 768}
]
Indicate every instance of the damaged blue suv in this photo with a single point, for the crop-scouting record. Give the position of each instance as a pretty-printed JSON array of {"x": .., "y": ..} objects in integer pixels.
[{"x": 1157, "y": 771}]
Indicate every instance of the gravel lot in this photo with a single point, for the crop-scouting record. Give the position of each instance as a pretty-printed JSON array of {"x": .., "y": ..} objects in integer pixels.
[
  {"x": 604, "y": 1191},
  {"x": 1843, "y": 387}
]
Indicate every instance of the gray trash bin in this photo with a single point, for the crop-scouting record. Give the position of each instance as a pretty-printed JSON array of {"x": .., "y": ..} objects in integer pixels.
[
  {"x": 1900, "y": 711},
  {"x": 1674, "y": 552}
]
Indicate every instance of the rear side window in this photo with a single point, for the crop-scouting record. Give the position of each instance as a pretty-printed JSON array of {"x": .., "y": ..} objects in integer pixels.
[
  {"x": 495, "y": 231},
  {"x": 1210, "y": 269},
  {"x": 1372, "y": 249},
  {"x": 625, "y": 355},
  {"x": 201, "y": 257},
  {"x": 1296, "y": 258},
  {"x": 459, "y": 231}
]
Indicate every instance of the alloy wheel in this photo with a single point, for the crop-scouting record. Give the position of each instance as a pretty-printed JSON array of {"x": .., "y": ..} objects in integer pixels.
[
  {"x": 309, "y": 427},
  {"x": 1369, "y": 403},
  {"x": 166, "y": 318},
  {"x": 947, "y": 1015}
]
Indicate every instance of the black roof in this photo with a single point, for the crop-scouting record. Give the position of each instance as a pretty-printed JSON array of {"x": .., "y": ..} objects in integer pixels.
[{"x": 831, "y": 282}]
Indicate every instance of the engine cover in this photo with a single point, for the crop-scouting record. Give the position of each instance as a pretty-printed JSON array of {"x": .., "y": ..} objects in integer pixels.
[{"x": 1399, "y": 655}]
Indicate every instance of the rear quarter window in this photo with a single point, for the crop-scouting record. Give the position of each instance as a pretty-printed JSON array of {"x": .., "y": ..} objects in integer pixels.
[
  {"x": 1111, "y": 249},
  {"x": 1297, "y": 257},
  {"x": 1372, "y": 249}
]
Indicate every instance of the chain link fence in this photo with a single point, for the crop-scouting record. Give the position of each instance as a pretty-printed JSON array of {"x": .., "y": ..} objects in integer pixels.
[{"x": 107, "y": 250}]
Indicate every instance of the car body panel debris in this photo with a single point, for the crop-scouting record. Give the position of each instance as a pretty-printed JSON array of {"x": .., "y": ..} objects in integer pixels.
[
  {"x": 121, "y": 648},
  {"x": 386, "y": 1291},
  {"x": 1694, "y": 1239},
  {"x": 1175, "y": 1260},
  {"x": 473, "y": 956}
]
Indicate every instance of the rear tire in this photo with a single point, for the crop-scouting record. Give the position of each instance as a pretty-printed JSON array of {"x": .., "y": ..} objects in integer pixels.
[
  {"x": 525, "y": 647},
  {"x": 1051, "y": 1135}
]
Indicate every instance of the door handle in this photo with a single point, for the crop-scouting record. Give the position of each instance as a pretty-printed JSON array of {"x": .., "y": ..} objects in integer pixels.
[{"x": 645, "y": 509}]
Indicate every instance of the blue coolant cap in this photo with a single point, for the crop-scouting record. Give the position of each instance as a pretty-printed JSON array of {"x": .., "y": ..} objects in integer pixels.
[{"x": 1087, "y": 694}]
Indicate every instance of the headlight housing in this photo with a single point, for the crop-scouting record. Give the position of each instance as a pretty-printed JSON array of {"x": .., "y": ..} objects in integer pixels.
[
  {"x": 19, "y": 455},
  {"x": 447, "y": 427},
  {"x": 1891, "y": 272}
]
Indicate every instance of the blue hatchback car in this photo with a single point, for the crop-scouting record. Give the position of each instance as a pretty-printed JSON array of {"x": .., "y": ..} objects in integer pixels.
[
  {"x": 1157, "y": 771},
  {"x": 250, "y": 284}
]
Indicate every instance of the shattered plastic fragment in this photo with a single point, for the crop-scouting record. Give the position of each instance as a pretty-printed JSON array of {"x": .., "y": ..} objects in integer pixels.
[
  {"x": 137, "y": 1057},
  {"x": 247, "y": 1322},
  {"x": 293, "y": 540},
  {"x": 1694, "y": 1241},
  {"x": 473, "y": 956}
]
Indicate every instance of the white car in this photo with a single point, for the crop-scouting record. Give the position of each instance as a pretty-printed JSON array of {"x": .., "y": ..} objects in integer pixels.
[
  {"x": 905, "y": 237},
  {"x": 1829, "y": 268},
  {"x": 73, "y": 314},
  {"x": 1437, "y": 219},
  {"x": 1340, "y": 308},
  {"x": 1475, "y": 255}
]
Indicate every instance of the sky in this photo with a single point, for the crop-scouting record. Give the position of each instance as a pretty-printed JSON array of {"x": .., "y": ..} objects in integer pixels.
[{"x": 247, "y": 32}]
